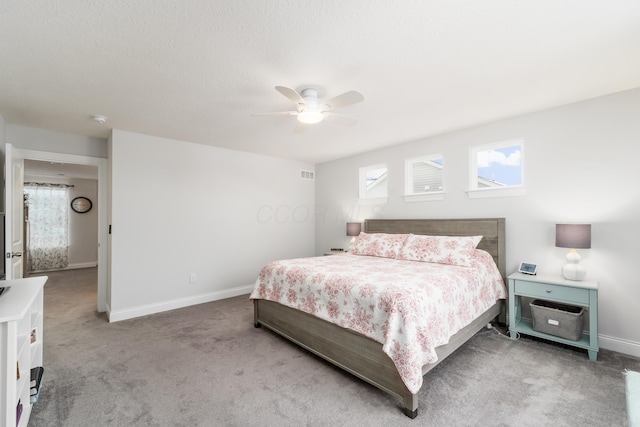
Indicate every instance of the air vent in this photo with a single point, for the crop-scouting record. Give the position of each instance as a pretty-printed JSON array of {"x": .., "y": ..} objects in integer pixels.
[{"x": 309, "y": 175}]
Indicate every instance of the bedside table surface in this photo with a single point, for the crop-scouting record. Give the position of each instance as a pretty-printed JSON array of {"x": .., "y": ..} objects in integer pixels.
[{"x": 554, "y": 280}]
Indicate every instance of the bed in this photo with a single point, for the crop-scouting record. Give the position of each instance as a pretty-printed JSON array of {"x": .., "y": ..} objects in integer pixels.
[{"x": 363, "y": 356}]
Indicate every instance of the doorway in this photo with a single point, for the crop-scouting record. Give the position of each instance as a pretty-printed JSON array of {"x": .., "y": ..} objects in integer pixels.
[
  {"x": 92, "y": 164},
  {"x": 56, "y": 236}
]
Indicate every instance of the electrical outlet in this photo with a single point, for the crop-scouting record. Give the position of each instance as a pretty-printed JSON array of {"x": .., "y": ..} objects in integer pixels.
[{"x": 192, "y": 278}]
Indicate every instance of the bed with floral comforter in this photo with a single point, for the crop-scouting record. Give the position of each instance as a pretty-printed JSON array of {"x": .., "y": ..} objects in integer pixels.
[{"x": 409, "y": 293}]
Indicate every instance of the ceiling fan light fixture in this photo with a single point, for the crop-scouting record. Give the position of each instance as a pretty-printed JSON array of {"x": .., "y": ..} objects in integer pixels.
[
  {"x": 311, "y": 110},
  {"x": 310, "y": 117}
]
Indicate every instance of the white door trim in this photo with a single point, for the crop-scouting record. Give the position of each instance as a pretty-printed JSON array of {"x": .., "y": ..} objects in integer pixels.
[
  {"x": 101, "y": 163},
  {"x": 14, "y": 214}
]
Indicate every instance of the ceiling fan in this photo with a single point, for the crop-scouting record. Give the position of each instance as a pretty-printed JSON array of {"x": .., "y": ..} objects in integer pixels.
[{"x": 311, "y": 110}]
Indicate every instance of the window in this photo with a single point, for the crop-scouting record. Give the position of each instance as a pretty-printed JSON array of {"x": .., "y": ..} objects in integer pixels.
[
  {"x": 373, "y": 182},
  {"x": 48, "y": 215},
  {"x": 424, "y": 175},
  {"x": 497, "y": 167}
]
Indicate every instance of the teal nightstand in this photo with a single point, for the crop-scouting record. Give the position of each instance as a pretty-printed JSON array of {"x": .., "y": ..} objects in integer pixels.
[{"x": 556, "y": 289}]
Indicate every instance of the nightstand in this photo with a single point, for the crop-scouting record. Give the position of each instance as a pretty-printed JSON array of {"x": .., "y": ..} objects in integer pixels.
[
  {"x": 334, "y": 253},
  {"x": 582, "y": 293}
]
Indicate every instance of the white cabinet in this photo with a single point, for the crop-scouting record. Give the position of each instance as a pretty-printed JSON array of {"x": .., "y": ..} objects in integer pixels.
[{"x": 21, "y": 315}]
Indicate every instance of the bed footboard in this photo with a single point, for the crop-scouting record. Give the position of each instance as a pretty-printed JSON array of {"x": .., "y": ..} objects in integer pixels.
[
  {"x": 353, "y": 352},
  {"x": 346, "y": 349}
]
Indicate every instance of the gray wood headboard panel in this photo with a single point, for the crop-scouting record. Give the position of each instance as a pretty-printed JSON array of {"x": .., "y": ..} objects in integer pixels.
[{"x": 492, "y": 230}]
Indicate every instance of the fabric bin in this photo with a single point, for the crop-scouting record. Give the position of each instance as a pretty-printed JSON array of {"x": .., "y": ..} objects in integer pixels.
[{"x": 557, "y": 319}]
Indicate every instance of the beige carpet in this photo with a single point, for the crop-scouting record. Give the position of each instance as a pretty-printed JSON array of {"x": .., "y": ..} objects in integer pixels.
[{"x": 208, "y": 366}]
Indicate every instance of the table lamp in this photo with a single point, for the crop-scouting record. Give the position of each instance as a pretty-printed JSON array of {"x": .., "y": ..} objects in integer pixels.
[
  {"x": 574, "y": 236},
  {"x": 353, "y": 229}
]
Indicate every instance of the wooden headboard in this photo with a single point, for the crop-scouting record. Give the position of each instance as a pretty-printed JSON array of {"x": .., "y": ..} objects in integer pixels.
[{"x": 492, "y": 230}]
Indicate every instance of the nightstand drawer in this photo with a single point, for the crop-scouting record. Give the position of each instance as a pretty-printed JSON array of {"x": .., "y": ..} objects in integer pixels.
[{"x": 555, "y": 292}]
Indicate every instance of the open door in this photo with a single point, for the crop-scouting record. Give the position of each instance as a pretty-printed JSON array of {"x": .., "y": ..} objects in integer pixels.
[{"x": 14, "y": 213}]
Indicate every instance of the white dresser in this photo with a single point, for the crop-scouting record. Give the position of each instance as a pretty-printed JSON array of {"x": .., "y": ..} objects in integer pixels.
[{"x": 21, "y": 339}]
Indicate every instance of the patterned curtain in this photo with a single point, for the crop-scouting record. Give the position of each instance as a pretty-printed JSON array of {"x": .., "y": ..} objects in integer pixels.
[{"x": 48, "y": 234}]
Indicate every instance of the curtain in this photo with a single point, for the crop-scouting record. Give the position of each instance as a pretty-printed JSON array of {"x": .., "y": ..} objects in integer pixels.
[{"x": 48, "y": 222}]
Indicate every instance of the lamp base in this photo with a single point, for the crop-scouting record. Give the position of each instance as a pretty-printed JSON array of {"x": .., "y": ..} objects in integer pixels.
[{"x": 572, "y": 270}]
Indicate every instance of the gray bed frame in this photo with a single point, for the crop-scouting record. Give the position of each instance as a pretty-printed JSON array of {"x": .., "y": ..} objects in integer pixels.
[{"x": 362, "y": 356}]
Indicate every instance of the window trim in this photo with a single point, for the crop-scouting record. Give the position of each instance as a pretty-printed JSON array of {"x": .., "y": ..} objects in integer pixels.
[{"x": 426, "y": 197}]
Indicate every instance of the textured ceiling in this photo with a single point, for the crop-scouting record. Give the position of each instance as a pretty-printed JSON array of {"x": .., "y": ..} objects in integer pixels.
[{"x": 196, "y": 70}]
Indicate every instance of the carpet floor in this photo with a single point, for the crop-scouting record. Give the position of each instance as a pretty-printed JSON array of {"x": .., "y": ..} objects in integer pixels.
[{"x": 206, "y": 365}]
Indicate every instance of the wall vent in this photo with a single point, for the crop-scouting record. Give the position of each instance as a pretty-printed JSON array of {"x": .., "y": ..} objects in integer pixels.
[{"x": 309, "y": 175}]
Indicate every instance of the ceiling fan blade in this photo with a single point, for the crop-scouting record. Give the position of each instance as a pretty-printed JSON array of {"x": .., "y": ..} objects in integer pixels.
[
  {"x": 340, "y": 118},
  {"x": 347, "y": 98},
  {"x": 277, "y": 113},
  {"x": 291, "y": 94},
  {"x": 301, "y": 127}
]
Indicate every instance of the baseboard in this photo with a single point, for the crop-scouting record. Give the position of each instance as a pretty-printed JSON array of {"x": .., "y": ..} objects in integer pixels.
[
  {"x": 130, "y": 313},
  {"x": 107, "y": 311},
  {"x": 630, "y": 348},
  {"x": 75, "y": 266},
  {"x": 82, "y": 265}
]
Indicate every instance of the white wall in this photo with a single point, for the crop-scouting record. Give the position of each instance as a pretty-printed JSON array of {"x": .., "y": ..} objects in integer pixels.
[
  {"x": 179, "y": 208},
  {"x": 29, "y": 138},
  {"x": 581, "y": 165},
  {"x": 83, "y": 228}
]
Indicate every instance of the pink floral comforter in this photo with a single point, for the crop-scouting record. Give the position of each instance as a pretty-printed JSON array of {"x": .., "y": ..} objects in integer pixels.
[{"x": 409, "y": 307}]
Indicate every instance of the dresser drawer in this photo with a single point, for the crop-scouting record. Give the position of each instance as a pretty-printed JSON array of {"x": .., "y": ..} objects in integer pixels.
[{"x": 554, "y": 292}]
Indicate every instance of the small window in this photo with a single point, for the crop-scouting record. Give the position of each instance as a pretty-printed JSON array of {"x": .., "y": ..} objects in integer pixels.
[
  {"x": 497, "y": 166},
  {"x": 424, "y": 175},
  {"x": 373, "y": 182}
]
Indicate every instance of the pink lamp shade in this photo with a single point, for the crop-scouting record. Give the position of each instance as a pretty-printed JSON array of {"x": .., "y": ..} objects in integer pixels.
[{"x": 353, "y": 228}]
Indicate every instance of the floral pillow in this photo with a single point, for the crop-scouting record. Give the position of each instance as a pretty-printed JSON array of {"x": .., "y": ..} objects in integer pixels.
[
  {"x": 378, "y": 244},
  {"x": 453, "y": 250}
]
